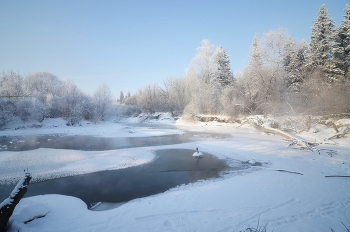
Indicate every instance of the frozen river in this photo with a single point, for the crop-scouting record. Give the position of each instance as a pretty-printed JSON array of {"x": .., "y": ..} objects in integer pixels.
[{"x": 169, "y": 168}]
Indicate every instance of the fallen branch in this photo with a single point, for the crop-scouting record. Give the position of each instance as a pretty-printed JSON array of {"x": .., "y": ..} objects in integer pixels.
[
  {"x": 280, "y": 170},
  {"x": 339, "y": 135},
  {"x": 334, "y": 127},
  {"x": 294, "y": 140},
  {"x": 272, "y": 131},
  {"x": 338, "y": 176}
]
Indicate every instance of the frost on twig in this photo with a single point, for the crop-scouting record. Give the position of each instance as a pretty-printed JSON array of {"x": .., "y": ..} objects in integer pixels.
[{"x": 8, "y": 205}]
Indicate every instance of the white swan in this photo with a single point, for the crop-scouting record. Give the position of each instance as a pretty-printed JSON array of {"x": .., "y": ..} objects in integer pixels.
[
  {"x": 252, "y": 161},
  {"x": 198, "y": 154}
]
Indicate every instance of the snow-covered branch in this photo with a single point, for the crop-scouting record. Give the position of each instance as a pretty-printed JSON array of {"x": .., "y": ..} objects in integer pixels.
[{"x": 8, "y": 205}]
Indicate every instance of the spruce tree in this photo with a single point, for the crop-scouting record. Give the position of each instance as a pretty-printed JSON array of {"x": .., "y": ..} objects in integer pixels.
[
  {"x": 222, "y": 70},
  {"x": 341, "y": 45},
  {"x": 320, "y": 51},
  {"x": 255, "y": 54},
  {"x": 294, "y": 63},
  {"x": 251, "y": 81}
]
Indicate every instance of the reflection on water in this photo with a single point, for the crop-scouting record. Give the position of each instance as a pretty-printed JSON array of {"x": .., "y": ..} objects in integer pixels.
[
  {"x": 194, "y": 176},
  {"x": 170, "y": 168}
]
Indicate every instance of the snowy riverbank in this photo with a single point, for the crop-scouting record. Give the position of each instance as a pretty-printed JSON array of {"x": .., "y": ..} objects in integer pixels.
[{"x": 289, "y": 192}]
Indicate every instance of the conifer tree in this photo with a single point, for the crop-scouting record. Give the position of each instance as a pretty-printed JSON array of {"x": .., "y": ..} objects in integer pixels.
[
  {"x": 320, "y": 51},
  {"x": 255, "y": 54},
  {"x": 341, "y": 45},
  {"x": 222, "y": 69},
  {"x": 294, "y": 64},
  {"x": 252, "y": 76}
]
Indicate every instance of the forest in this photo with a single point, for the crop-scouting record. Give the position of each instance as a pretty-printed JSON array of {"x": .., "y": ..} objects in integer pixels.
[{"x": 282, "y": 77}]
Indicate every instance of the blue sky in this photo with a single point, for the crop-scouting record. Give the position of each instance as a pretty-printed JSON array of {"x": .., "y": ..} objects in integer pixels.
[{"x": 129, "y": 44}]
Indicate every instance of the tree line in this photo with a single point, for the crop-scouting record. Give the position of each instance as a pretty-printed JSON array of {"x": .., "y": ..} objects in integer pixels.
[
  {"x": 43, "y": 95},
  {"x": 282, "y": 77}
]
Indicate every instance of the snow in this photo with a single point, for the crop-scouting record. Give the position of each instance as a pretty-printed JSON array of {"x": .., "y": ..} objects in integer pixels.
[
  {"x": 288, "y": 192},
  {"x": 28, "y": 211},
  {"x": 156, "y": 118},
  {"x": 102, "y": 129},
  {"x": 55, "y": 163}
]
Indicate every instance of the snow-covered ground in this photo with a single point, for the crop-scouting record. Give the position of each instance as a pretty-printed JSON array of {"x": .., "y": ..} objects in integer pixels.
[
  {"x": 104, "y": 129},
  {"x": 289, "y": 192},
  {"x": 55, "y": 163}
]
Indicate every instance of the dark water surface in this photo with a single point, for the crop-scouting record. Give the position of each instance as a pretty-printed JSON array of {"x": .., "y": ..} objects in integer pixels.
[
  {"x": 91, "y": 143},
  {"x": 170, "y": 168}
]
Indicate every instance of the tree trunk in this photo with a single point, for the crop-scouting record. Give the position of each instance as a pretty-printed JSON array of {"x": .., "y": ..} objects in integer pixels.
[{"x": 8, "y": 205}]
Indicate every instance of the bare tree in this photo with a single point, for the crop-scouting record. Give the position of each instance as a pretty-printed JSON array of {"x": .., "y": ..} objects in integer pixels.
[
  {"x": 44, "y": 86},
  {"x": 148, "y": 98},
  {"x": 103, "y": 100},
  {"x": 12, "y": 85},
  {"x": 70, "y": 103},
  {"x": 174, "y": 94},
  {"x": 203, "y": 61},
  {"x": 266, "y": 71}
]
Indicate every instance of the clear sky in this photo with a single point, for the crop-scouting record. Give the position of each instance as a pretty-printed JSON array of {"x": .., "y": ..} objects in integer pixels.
[{"x": 131, "y": 43}]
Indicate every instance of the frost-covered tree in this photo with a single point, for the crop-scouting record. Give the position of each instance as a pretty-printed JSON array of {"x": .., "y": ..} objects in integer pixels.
[
  {"x": 250, "y": 82},
  {"x": 45, "y": 89},
  {"x": 88, "y": 108},
  {"x": 222, "y": 69},
  {"x": 149, "y": 98},
  {"x": 207, "y": 74},
  {"x": 204, "y": 61},
  {"x": 341, "y": 45},
  {"x": 231, "y": 97},
  {"x": 121, "y": 97},
  {"x": 70, "y": 103},
  {"x": 12, "y": 92},
  {"x": 174, "y": 94},
  {"x": 7, "y": 109},
  {"x": 102, "y": 100},
  {"x": 275, "y": 45},
  {"x": 265, "y": 74},
  {"x": 320, "y": 50},
  {"x": 255, "y": 58},
  {"x": 12, "y": 86},
  {"x": 202, "y": 97},
  {"x": 294, "y": 66},
  {"x": 44, "y": 86}
]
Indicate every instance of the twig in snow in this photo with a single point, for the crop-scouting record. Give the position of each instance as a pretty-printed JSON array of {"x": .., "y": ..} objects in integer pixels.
[
  {"x": 345, "y": 227},
  {"x": 280, "y": 170},
  {"x": 339, "y": 176}
]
